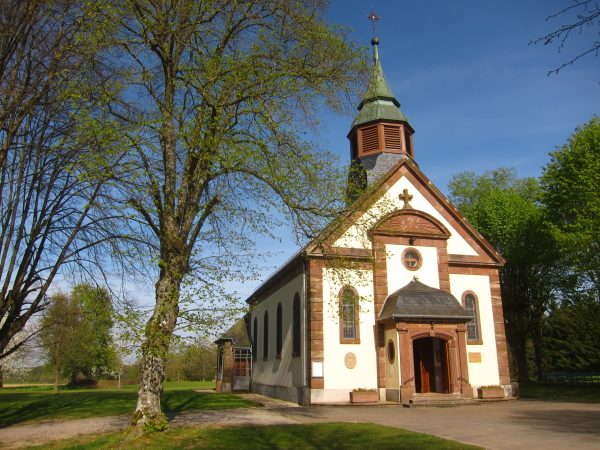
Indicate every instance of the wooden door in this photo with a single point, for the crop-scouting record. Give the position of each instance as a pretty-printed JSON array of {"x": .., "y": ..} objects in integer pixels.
[
  {"x": 424, "y": 365},
  {"x": 425, "y": 377},
  {"x": 445, "y": 368}
]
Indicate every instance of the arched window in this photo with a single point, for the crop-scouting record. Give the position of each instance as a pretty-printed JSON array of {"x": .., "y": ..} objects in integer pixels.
[
  {"x": 255, "y": 340},
  {"x": 296, "y": 326},
  {"x": 349, "y": 323},
  {"x": 473, "y": 330},
  {"x": 279, "y": 340},
  {"x": 266, "y": 336}
]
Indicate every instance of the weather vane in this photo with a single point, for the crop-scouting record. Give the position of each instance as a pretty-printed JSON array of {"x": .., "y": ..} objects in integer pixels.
[{"x": 374, "y": 18}]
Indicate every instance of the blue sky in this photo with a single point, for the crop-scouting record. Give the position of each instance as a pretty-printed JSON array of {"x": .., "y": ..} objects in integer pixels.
[{"x": 476, "y": 93}]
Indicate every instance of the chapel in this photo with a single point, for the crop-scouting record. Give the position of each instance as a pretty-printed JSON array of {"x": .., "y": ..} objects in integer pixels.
[{"x": 400, "y": 297}]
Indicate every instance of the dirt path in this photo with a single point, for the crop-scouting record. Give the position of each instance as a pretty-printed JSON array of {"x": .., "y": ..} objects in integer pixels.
[
  {"x": 514, "y": 425},
  {"x": 19, "y": 436}
]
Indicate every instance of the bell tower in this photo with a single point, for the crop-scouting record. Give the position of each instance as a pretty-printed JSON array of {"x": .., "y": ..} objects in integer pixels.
[{"x": 381, "y": 134}]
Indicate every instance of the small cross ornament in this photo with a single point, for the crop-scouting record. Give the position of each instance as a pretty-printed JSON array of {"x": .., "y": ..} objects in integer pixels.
[
  {"x": 406, "y": 198},
  {"x": 374, "y": 18}
]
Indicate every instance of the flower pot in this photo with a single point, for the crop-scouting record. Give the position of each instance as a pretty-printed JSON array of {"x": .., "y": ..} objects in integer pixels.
[
  {"x": 490, "y": 392},
  {"x": 364, "y": 397}
]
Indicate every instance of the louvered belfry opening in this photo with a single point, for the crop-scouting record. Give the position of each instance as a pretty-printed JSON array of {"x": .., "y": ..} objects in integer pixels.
[
  {"x": 391, "y": 137},
  {"x": 384, "y": 137},
  {"x": 369, "y": 139}
]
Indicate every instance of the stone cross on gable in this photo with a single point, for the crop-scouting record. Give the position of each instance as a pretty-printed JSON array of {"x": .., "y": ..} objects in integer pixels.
[{"x": 406, "y": 198}]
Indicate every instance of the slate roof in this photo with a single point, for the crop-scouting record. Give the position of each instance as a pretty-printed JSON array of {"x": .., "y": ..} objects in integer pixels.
[
  {"x": 419, "y": 301},
  {"x": 237, "y": 334}
]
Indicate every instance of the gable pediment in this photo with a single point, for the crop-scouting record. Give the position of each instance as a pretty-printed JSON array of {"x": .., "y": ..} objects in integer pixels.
[
  {"x": 379, "y": 211},
  {"x": 410, "y": 223}
]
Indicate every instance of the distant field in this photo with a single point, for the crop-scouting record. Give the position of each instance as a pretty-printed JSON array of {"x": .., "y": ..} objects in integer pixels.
[{"x": 40, "y": 402}]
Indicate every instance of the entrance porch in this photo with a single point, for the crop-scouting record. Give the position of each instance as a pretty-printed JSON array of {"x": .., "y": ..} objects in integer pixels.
[{"x": 424, "y": 332}]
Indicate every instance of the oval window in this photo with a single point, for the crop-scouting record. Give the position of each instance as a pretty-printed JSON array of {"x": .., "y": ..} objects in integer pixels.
[
  {"x": 411, "y": 258},
  {"x": 391, "y": 351}
]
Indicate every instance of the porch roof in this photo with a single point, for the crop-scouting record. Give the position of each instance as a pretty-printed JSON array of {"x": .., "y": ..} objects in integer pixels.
[{"x": 419, "y": 301}]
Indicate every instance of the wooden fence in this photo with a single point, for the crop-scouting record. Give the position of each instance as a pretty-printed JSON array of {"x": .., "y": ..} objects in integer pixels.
[{"x": 571, "y": 377}]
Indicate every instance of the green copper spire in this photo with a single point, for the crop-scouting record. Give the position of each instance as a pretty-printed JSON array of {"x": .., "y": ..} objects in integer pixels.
[{"x": 378, "y": 103}]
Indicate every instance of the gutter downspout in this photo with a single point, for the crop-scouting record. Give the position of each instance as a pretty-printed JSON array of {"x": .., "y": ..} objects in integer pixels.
[{"x": 305, "y": 386}]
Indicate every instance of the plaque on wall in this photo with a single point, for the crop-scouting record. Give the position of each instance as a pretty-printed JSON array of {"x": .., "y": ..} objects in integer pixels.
[
  {"x": 474, "y": 357},
  {"x": 317, "y": 369},
  {"x": 350, "y": 360}
]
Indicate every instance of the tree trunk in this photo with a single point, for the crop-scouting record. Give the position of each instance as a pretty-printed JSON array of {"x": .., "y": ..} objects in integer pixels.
[
  {"x": 148, "y": 415},
  {"x": 520, "y": 352},
  {"x": 1, "y": 377},
  {"x": 56, "y": 377},
  {"x": 538, "y": 348}
]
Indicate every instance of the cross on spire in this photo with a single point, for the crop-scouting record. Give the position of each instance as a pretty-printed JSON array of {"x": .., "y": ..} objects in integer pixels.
[
  {"x": 406, "y": 198},
  {"x": 374, "y": 18}
]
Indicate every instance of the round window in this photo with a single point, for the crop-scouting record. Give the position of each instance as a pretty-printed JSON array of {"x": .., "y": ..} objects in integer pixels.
[
  {"x": 391, "y": 351},
  {"x": 411, "y": 258}
]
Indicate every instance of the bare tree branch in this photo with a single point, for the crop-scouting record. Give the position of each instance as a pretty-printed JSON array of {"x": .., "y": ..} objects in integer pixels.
[{"x": 586, "y": 16}]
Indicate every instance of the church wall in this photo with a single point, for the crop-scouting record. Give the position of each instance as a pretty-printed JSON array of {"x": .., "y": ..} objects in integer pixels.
[
  {"x": 392, "y": 369},
  {"x": 485, "y": 372},
  {"x": 399, "y": 276},
  {"x": 279, "y": 377},
  {"x": 338, "y": 378},
  {"x": 356, "y": 236}
]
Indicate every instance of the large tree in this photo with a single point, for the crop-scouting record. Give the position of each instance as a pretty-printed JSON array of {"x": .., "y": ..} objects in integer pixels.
[
  {"x": 572, "y": 336},
  {"x": 52, "y": 175},
  {"x": 506, "y": 211},
  {"x": 56, "y": 336},
  {"x": 571, "y": 194},
  {"x": 217, "y": 100},
  {"x": 191, "y": 360},
  {"x": 76, "y": 334}
]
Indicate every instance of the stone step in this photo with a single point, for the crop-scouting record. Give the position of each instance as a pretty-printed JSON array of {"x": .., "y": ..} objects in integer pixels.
[{"x": 438, "y": 400}]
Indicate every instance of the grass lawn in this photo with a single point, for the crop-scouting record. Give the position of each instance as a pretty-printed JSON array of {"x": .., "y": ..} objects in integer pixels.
[
  {"x": 26, "y": 404},
  {"x": 560, "y": 392},
  {"x": 315, "y": 436}
]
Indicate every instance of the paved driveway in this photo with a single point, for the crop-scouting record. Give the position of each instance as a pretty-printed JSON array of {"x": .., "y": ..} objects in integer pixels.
[{"x": 519, "y": 424}]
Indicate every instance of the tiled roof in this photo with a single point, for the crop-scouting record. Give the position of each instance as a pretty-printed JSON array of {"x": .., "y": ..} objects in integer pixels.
[
  {"x": 238, "y": 334},
  {"x": 419, "y": 301}
]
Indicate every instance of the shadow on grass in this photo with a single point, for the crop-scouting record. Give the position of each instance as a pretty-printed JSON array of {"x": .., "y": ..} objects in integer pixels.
[
  {"x": 308, "y": 436},
  {"x": 21, "y": 407},
  {"x": 185, "y": 400},
  {"x": 17, "y": 408},
  {"x": 318, "y": 436}
]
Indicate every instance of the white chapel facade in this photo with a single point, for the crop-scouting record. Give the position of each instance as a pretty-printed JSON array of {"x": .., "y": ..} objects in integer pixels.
[{"x": 401, "y": 296}]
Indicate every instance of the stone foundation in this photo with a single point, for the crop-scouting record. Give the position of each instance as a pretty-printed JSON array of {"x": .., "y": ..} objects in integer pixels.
[{"x": 300, "y": 395}]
